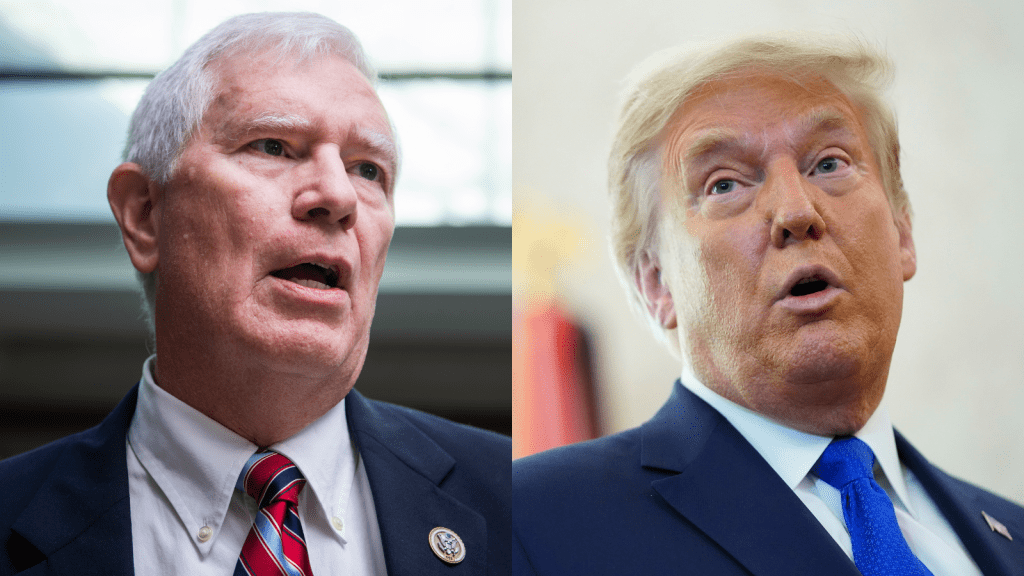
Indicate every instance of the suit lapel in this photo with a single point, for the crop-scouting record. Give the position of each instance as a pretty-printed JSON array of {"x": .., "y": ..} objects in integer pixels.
[
  {"x": 728, "y": 491},
  {"x": 407, "y": 470},
  {"x": 962, "y": 505},
  {"x": 80, "y": 519}
]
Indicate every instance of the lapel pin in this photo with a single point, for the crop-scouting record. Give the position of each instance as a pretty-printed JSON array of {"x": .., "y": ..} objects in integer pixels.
[
  {"x": 447, "y": 545},
  {"x": 996, "y": 525}
]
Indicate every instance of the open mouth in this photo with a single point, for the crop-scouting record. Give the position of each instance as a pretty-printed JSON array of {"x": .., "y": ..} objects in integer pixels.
[
  {"x": 310, "y": 275},
  {"x": 808, "y": 286}
]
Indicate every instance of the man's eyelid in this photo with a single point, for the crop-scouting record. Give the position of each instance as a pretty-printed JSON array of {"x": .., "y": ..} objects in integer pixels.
[
  {"x": 840, "y": 146},
  {"x": 835, "y": 153},
  {"x": 384, "y": 175},
  {"x": 287, "y": 149},
  {"x": 384, "y": 162},
  {"x": 719, "y": 174},
  {"x": 712, "y": 188}
]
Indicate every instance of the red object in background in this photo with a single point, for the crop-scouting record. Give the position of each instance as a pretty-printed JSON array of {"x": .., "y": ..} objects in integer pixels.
[{"x": 552, "y": 384}]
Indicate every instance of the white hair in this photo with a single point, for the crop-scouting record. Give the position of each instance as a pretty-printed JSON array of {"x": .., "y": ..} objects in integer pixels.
[{"x": 172, "y": 108}]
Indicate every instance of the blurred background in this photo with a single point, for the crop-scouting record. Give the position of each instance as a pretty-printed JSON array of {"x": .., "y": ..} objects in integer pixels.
[
  {"x": 956, "y": 386},
  {"x": 72, "y": 340}
]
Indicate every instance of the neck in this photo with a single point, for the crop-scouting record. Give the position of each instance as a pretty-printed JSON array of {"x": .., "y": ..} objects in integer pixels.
[
  {"x": 258, "y": 401},
  {"x": 824, "y": 407}
]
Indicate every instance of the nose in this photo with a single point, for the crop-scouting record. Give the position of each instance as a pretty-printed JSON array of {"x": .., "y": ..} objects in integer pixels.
[
  {"x": 325, "y": 192},
  {"x": 792, "y": 207}
]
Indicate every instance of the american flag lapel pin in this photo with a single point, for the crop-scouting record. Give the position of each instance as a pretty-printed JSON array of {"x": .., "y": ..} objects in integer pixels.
[{"x": 996, "y": 525}]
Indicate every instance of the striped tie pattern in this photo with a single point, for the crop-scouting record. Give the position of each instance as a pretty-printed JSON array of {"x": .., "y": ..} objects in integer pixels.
[
  {"x": 275, "y": 545},
  {"x": 879, "y": 548}
]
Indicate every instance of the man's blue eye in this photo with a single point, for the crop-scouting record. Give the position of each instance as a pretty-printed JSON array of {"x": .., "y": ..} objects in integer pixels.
[
  {"x": 827, "y": 165},
  {"x": 269, "y": 146},
  {"x": 723, "y": 187},
  {"x": 369, "y": 171}
]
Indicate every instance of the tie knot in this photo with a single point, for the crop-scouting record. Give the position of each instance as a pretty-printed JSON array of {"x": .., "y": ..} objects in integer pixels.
[
  {"x": 270, "y": 477},
  {"x": 845, "y": 460}
]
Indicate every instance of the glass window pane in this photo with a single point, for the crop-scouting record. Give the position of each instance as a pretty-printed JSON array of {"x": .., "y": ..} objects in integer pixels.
[
  {"x": 68, "y": 136},
  {"x": 128, "y": 35},
  {"x": 64, "y": 138},
  {"x": 455, "y": 139},
  {"x": 455, "y": 133}
]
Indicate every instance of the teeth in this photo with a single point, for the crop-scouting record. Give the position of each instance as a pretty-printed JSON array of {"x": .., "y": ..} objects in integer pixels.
[{"x": 308, "y": 283}]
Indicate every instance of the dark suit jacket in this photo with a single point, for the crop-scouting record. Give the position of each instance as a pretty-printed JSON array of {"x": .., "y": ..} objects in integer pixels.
[
  {"x": 686, "y": 494},
  {"x": 64, "y": 507}
]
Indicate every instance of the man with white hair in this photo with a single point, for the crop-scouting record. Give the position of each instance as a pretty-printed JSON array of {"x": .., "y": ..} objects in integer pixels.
[
  {"x": 761, "y": 223},
  {"x": 257, "y": 204}
]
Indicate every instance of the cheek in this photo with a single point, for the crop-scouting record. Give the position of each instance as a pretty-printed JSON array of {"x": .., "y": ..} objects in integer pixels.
[
  {"x": 212, "y": 242},
  {"x": 732, "y": 257},
  {"x": 694, "y": 265},
  {"x": 876, "y": 248},
  {"x": 375, "y": 242}
]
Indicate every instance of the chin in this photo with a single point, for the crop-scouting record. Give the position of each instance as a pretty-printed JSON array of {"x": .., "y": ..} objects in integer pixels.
[
  {"x": 821, "y": 353},
  {"x": 307, "y": 348}
]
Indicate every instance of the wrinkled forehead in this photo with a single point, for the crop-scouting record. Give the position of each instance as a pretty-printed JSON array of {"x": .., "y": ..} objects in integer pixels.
[
  {"x": 752, "y": 108},
  {"x": 255, "y": 92}
]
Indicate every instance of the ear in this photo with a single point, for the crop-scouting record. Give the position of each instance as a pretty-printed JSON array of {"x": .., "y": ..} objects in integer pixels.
[
  {"x": 133, "y": 197},
  {"x": 655, "y": 291},
  {"x": 907, "y": 253}
]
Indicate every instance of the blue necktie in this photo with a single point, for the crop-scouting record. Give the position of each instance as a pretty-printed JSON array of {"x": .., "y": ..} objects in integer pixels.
[{"x": 879, "y": 548}]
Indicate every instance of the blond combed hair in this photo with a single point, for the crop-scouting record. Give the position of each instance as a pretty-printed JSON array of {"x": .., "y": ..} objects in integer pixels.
[{"x": 659, "y": 86}]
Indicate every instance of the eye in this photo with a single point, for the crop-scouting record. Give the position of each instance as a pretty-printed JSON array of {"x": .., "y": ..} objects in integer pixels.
[
  {"x": 723, "y": 186},
  {"x": 827, "y": 166},
  {"x": 369, "y": 171},
  {"x": 269, "y": 146}
]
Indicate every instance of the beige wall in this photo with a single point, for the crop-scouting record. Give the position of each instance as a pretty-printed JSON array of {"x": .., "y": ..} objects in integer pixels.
[{"x": 955, "y": 388}]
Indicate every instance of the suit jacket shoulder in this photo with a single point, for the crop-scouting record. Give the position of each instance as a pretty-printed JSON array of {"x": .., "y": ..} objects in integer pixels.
[
  {"x": 686, "y": 494},
  {"x": 969, "y": 510},
  {"x": 65, "y": 508},
  {"x": 683, "y": 494},
  {"x": 427, "y": 472},
  {"x": 479, "y": 447}
]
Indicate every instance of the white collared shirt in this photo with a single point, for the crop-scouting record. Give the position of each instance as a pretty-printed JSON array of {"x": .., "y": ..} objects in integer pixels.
[
  {"x": 187, "y": 517},
  {"x": 792, "y": 454}
]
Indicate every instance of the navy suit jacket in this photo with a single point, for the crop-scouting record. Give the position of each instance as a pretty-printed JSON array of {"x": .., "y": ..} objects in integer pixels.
[
  {"x": 64, "y": 507},
  {"x": 686, "y": 494}
]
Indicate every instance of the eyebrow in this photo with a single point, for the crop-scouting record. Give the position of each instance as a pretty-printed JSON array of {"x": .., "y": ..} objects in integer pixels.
[
  {"x": 266, "y": 122},
  {"x": 719, "y": 140},
  {"x": 822, "y": 120},
  {"x": 379, "y": 144},
  {"x": 713, "y": 141},
  {"x": 375, "y": 142}
]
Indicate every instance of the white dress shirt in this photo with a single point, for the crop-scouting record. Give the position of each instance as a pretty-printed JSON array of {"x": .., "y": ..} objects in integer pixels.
[
  {"x": 792, "y": 454},
  {"x": 187, "y": 517}
]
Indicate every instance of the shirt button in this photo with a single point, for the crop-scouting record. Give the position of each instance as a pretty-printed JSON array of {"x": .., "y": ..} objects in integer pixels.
[
  {"x": 337, "y": 523},
  {"x": 204, "y": 533}
]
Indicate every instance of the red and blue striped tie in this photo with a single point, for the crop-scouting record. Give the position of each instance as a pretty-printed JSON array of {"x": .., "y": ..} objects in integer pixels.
[{"x": 275, "y": 545}]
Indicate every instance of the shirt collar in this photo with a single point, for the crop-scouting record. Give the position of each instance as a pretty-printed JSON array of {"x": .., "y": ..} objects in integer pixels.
[
  {"x": 324, "y": 453},
  {"x": 792, "y": 453},
  {"x": 196, "y": 461}
]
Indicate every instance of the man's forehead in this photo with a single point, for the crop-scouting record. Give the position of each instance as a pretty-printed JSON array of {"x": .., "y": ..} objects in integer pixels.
[
  {"x": 248, "y": 105},
  {"x": 253, "y": 120},
  {"x": 238, "y": 78},
  {"x": 740, "y": 111},
  {"x": 814, "y": 122}
]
